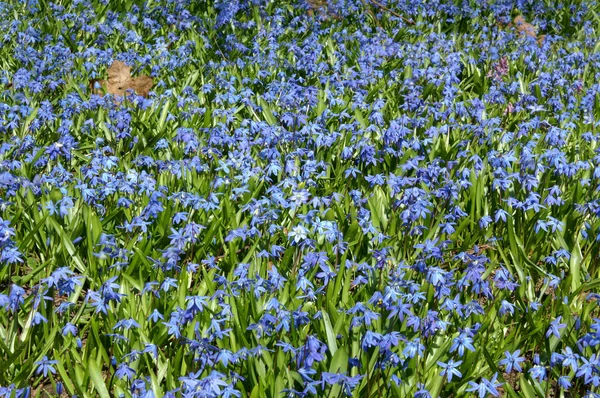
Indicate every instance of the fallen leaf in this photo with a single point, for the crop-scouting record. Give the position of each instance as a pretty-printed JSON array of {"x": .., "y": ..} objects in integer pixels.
[
  {"x": 525, "y": 28},
  {"x": 541, "y": 39},
  {"x": 322, "y": 8},
  {"x": 120, "y": 80},
  {"x": 142, "y": 85}
]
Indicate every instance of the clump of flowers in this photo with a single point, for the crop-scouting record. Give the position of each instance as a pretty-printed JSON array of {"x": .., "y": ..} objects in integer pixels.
[{"x": 379, "y": 199}]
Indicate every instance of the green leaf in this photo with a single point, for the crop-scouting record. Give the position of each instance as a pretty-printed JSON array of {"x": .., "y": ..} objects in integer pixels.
[
  {"x": 266, "y": 110},
  {"x": 575, "y": 266},
  {"x": 67, "y": 244},
  {"x": 339, "y": 362},
  {"x": 97, "y": 379},
  {"x": 331, "y": 340},
  {"x": 526, "y": 388},
  {"x": 65, "y": 377},
  {"x": 255, "y": 392}
]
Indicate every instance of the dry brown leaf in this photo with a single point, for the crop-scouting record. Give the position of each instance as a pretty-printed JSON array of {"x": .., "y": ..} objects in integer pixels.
[
  {"x": 120, "y": 80},
  {"x": 142, "y": 85},
  {"x": 322, "y": 8},
  {"x": 540, "y": 39},
  {"x": 525, "y": 28}
]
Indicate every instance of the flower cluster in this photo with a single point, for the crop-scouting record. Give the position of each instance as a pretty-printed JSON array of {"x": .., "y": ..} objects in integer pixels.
[{"x": 317, "y": 198}]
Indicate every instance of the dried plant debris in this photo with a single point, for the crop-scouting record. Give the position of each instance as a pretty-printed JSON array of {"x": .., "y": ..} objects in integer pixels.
[
  {"x": 524, "y": 28},
  {"x": 120, "y": 81},
  {"x": 322, "y": 8},
  {"x": 394, "y": 13}
]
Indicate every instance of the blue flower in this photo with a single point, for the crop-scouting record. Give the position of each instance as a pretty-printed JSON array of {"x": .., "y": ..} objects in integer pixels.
[
  {"x": 538, "y": 372},
  {"x": 124, "y": 371},
  {"x": 555, "y": 327},
  {"x": 485, "y": 387},
  {"x": 69, "y": 328},
  {"x": 564, "y": 382},
  {"x": 461, "y": 343},
  {"x": 44, "y": 366},
  {"x": 155, "y": 316},
  {"x": 512, "y": 361},
  {"x": 449, "y": 369}
]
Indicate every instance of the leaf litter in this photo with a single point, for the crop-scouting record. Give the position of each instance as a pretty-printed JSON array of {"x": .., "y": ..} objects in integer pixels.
[{"x": 120, "y": 81}]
